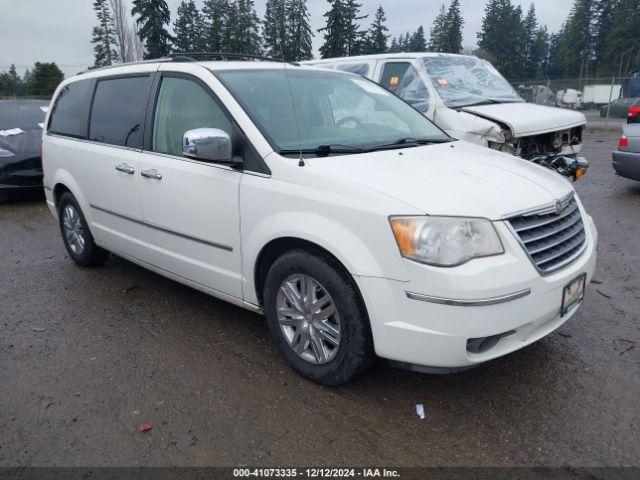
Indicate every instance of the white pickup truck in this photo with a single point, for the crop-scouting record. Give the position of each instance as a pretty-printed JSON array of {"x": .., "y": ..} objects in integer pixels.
[{"x": 469, "y": 99}]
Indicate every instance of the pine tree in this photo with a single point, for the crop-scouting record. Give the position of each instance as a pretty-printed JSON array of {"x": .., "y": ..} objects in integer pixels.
[
  {"x": 622, "y": 44},
  {"x": 334, "y": 30},
  {"x": 300, "y": 34},
  {"x": 437, "y": 40},
  {"x": 342, "y": 34},
  {"x": 453, "y": 28},
  {"x": 406, "y": 42},
  {"x": 275, "y": 29},
  {"x": 377, "y": 36},
  {"x": 530, "y": 25},
  {"x": 394, "y": 47},
  {"x": 576, "y": 47},
  {"x": 103, "y": 38},
  {"x": 188, "y": 28},
  {"x": 215, "y": 15},
  {"x": 153, "y": 17},
  {"x": 502, "y": 35},
  {"x": 418, "y": 42},
  {"x": 605, "y": 22},
  {"x": 243, "y": 28}
]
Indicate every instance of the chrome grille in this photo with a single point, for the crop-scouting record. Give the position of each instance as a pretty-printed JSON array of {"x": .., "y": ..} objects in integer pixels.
[{"x": 551, "y": 239}]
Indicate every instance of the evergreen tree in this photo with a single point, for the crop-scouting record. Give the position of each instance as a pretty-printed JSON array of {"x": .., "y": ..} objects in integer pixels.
[
  {"x": 10, "y": 82},
  {"x": 243, "y": 28},
  {"x": 103, "y": 37},
  {"x": 576, "y": 47},
  {"x": 530, "y": 25},
  {"x": 215, "y": 15},
  {"x": 377, "y": 36},
  {"x": 605, "y": 21},
  {"x": 394, "y": 47},
  {"x": 153, "y": 17},
  {"x": 622, "y": 44},
  {"x": 342, "y": 34},
  {"x": 275, "y": 29},
  {"x": 453, "y": 24},
  {"x": 44, "y": 79},
  {"x": 502, "y": 37},
  {"x": 188, "y": 28},
  {"x": 300, "y": 43},
  {"x": 418, "y": 42},
  {"x": 405, "y": 42},
  {"x": 437, "y": 40},
  {"x": 539, "y": 53}
]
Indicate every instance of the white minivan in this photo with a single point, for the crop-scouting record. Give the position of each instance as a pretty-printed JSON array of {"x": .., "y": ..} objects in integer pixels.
[
  {"x": 470, "y": 100},
  {"x": 354, "y": 224}
]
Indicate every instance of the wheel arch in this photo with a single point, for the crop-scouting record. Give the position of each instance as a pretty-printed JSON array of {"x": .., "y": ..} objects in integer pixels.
[{"x": 277, "y": 247}]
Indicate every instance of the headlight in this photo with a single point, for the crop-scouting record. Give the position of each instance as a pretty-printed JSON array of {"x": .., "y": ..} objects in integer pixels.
[{"x": 445, "y": 241}]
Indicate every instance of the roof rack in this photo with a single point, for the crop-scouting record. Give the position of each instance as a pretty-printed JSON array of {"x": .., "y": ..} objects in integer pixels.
[
  {"x": 199, "y": 56},
  {"x": 192, "y": 57}
]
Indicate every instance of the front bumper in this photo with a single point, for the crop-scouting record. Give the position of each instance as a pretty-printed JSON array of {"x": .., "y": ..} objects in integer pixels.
[
  {"x": 435, "y": 334},
  {"x": 627, "y": 164}
]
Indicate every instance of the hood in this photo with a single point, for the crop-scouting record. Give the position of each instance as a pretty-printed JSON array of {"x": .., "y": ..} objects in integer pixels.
[
  {"x": 457, "y": 179},
  {"x": 526, "y": 119}
]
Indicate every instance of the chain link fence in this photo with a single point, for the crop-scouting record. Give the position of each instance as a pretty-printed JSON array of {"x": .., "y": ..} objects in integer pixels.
[{"x": 605, "y": 101}]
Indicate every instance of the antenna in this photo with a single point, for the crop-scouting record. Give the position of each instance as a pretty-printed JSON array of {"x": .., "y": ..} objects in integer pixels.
[{"x": 301, "y": 162}]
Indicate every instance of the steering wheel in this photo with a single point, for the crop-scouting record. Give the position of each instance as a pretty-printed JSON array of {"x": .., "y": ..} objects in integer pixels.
[{"x": 344, "y": 120}]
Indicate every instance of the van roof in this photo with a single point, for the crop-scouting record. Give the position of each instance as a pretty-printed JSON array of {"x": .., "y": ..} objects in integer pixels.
[{"x": 403, "y": 55}]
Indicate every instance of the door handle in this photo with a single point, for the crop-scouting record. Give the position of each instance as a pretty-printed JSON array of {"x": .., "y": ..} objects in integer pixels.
[
  {"x": 123, "y": 167},
  {"x": 153, "y": 173}
]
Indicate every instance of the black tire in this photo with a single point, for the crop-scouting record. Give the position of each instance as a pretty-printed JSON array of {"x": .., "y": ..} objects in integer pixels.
[
  {"x": 91, "y": 254},
  {"x": 355, "y": 353}
]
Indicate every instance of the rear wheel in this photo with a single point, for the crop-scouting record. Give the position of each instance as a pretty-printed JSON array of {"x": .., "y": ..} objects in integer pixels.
[
  {"x": 316, "y": 318},
  {"x": 76, "y": 235}
]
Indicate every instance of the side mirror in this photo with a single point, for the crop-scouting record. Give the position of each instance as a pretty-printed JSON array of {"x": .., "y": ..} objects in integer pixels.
[{"x": 208, "y": 145}]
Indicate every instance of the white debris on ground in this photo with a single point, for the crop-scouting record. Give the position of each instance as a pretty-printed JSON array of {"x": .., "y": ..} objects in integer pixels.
[{"x": 11, "y": 131}]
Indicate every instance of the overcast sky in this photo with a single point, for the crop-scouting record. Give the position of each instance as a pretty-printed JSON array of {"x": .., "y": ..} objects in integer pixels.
[{"x": 60, "y": 30}]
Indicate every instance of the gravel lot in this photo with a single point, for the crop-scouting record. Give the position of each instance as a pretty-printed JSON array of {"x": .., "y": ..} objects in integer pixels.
[{"x": 87, "y": 355}]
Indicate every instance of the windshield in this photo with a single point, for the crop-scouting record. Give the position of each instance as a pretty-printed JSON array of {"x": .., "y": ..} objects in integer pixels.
[
  {"x": 465, "y": 81},
  {"x": 333, "y": 111}
]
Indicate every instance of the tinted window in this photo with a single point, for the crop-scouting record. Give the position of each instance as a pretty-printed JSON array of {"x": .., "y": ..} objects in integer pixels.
[
  {"x": 71, "y": 109},
  {"x": 117, "y": 116},
  {"x": 403, "y": 80},
  {"x": 184, "y": 105}
]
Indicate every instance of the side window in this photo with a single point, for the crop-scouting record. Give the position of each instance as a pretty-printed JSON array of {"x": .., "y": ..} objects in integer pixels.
[
  {"x": 402, "y": 79},
  {"x": 117, "y": 115},
  {"x": 184, "y": 105},
  {"x": 361, "y": 69},
  {"x": 71, "y": 109}
]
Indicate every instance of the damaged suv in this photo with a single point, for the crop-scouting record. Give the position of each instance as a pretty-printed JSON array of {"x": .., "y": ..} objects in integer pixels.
[{"x": 469, "y": 99}]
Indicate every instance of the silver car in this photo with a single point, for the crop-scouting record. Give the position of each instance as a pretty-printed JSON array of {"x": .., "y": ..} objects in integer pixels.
[{"x": 626, "y": 160}]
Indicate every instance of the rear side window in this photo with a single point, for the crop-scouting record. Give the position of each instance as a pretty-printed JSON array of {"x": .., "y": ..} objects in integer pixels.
[
  {"x": 71, "y": 109},
  {"x": 117, "y": 115},
  {"x": 361, "y": 69}
]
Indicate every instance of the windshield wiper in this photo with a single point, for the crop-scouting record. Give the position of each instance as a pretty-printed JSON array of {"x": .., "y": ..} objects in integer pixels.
[
  {"x": 408, "y": 142},
  {"x": 324, "y": 150}
]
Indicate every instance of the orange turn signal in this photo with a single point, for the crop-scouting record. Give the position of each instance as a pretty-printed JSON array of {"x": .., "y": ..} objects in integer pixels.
[
  {"x": 405, "y": 233},
  {"x": 580, "y": 173}
]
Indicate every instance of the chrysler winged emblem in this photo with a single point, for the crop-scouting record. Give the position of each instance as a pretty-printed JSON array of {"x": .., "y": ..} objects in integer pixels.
[{"x": 559, "y": 208}]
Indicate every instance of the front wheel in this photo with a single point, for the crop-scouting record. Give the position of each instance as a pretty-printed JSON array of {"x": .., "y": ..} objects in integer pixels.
[
  {"x": 317, "y": 319},
  {"x": 76, "y": 235}
]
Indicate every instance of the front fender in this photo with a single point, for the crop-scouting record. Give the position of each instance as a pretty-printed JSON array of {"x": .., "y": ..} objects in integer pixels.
[{"x": 356, "y": 255}]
